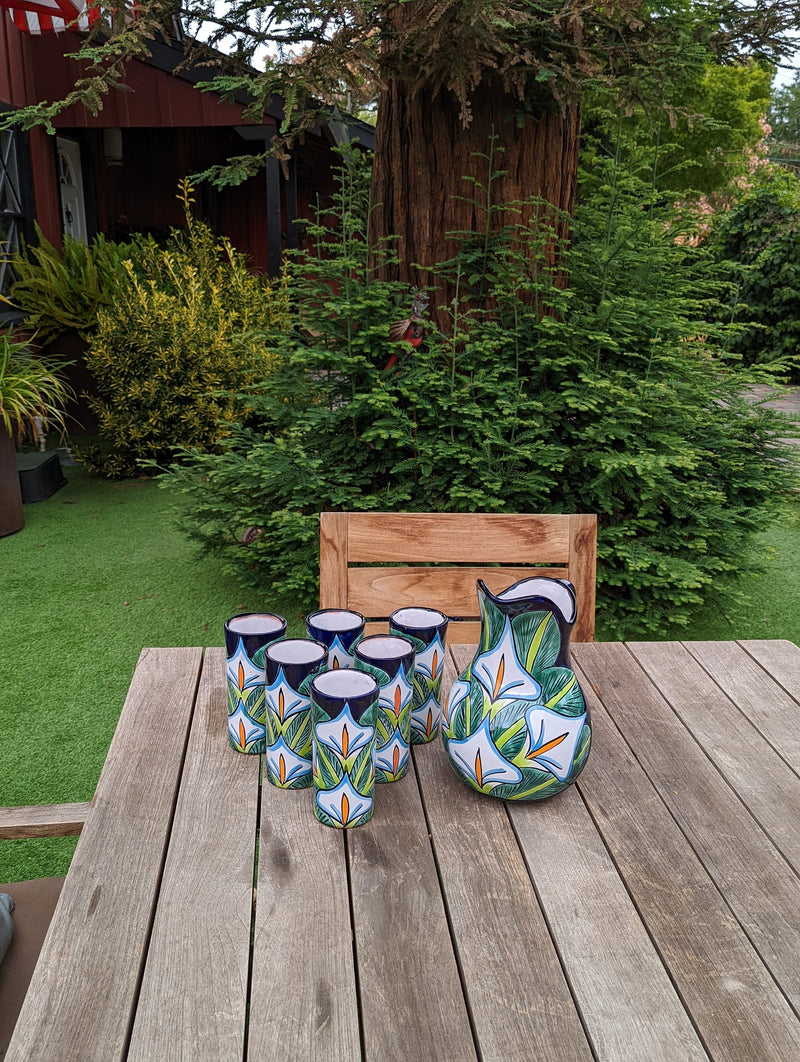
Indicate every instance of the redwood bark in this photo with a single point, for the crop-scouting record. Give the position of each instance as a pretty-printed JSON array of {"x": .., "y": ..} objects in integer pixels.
[{"x": 423, "y": 151}]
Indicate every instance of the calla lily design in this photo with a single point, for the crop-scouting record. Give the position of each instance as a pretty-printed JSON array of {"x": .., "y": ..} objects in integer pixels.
[
  {"x": 345, "y": 736},
  {"x": 552, "y": 740},
  {"x": 391, "y": 759},
  {"x": 395, "y": 695},
  {"x": 344, "y": 804},
  {"x": 286, "y": 767},
  {"x": 242, "y": 672},
  {"x": 425, "y": 719},
  {"x": 430, "y": 660},
  {"x": 479, "y": 761},
  {"x": 501, "y": 673},
  {"x": 284, "y": 702},
  {"x": 459, "y": 692},
  {"x": 244, "y": 729},
  {"x": 338, "y": 656}
]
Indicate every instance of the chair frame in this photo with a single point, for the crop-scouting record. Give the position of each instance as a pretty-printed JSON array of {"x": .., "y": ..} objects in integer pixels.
[
  {"x": 43, "y": 820},
  {"x": 374, "y": 563}
]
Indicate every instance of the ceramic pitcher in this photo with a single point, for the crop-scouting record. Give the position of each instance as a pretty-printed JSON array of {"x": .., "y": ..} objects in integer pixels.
[{"x": 516, "y": 725}]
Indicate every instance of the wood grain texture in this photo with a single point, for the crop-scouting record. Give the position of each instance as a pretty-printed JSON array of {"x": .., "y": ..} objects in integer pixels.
[
  {"x": 727, "y": 736},
  {"x": 303, "y": 1003},
  {"x": 466, "y": 542},
  {"x": 101, "y": 925},
  {"x": 467, "y": 538},
  {"x": 631, "y": 785},
  {"x": 194, "y": 991},
  {"x": 628, "y": 1005},
  {"x": 411, "y": 999},
  {"x": 780, "y": 659},
  {"x": 520, "y": 1003},
  {"x": 767, "y": 705},
  {"x": 582, "y": 572},
  {"x": 43, "y": 820},
  {"x": 459, "y": 632},
  {"x": 377, "y": 592},
  {"x": 333, "y": 560}
]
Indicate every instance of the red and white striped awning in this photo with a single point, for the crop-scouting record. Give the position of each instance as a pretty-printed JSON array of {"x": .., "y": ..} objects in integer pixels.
[{"x": 46, "y": 16}]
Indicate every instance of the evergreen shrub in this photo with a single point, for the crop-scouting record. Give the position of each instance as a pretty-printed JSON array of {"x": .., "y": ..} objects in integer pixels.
[
  {"x": 612, "y": 395},
  {"x": 187, "y": 333},
  {"x": 758, "y": 241}
]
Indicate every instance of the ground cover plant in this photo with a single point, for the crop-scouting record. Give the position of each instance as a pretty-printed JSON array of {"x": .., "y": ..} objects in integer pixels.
[{"x": 613, "y": 394}]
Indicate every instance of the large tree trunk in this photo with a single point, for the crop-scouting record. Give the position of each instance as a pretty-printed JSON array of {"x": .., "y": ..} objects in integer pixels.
[{"x": 423, "y": 152}]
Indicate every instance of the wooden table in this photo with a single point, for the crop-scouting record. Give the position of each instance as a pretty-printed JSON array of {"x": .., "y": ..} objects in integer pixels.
[{"x": 650, "y": 912}]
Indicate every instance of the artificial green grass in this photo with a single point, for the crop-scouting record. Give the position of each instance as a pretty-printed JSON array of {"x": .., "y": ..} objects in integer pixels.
[{"x": 98, "y": 572}]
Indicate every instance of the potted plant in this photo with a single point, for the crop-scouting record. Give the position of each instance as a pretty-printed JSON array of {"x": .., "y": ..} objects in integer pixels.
[{"x": 30, "y": 387}]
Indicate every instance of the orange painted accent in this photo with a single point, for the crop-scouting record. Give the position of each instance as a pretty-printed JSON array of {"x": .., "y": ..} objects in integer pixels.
[
  {"x": 479, "y": 768},
  {"x": 282, "y": 768},
  {"x": 335, "y": 664},
  {"x": 395, "y": 760},
  {"x": 345, "y": 741},
  {"x": 434, "y": 663},
  {"x": 241, "y": 677},
  {"x": 397, "y": 700},
  {"x": 545, "y": 748},
  {"x": 242, "y": 737},
  {"x": 280, "y": 704},
  {"x": 345, "y": 808},
  {"x": 498, "y": 682}
]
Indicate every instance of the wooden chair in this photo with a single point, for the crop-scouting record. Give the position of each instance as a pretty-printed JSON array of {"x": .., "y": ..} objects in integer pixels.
[
  {"x": 375, "y": 563},
  {"x": 35, "y": 902}
]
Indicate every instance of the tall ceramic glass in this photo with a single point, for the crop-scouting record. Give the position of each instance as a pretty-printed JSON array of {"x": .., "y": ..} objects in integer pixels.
[
  {"x": 391, "y": 660},
  {"x": 344, "y": 706},
  {"x": 289, "y": 667},
  {"x": 246, "y": 639},
  {"x": 426, "y": 629},
  {"x": 338, "y": 628}
]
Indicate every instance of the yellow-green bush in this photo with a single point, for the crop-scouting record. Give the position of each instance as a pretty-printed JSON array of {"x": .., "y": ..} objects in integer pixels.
[{"x": 187, "y": 335}]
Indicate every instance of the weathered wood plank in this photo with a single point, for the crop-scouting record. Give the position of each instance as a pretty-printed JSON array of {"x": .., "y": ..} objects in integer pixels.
[
  {"x": 780, "y": 659},
  {"x": 460, "y": 633},
  {"x": 479, "y": 538},
  {"x": 412, "y": 1004},
  {"x": 738, "y": 1010},
  {"x": 751, "y": 687},
  {"x": 333, "y": 560},
  {"x": 194, "y": 992},
  {"x": 377, "y": 592},
  {"x": 303, "y": 1001},
  {"x": 520, "y": 1003},
  {"x": 43, "y": 820},
  {"x": 630, "y": 1009},
  {"x": 101, "y": 925},
  {"x": 721, "y": 724},
  {"x": 582, "y": 572}
]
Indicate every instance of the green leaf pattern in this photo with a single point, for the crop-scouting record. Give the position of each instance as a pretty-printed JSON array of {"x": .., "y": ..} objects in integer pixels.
[{"x": 516, "y": 725}]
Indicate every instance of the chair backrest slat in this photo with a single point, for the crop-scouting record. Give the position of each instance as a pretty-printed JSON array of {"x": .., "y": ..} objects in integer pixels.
[{"x": 456, "y": 549}]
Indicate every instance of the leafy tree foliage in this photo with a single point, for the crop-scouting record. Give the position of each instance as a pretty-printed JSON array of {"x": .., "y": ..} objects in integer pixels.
[
  {"x": 783, "y": 115},
  {"x": 614, "y": 395},
  {"x": 758, "y": 240},
  {"x": 706, "y": 138}
]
